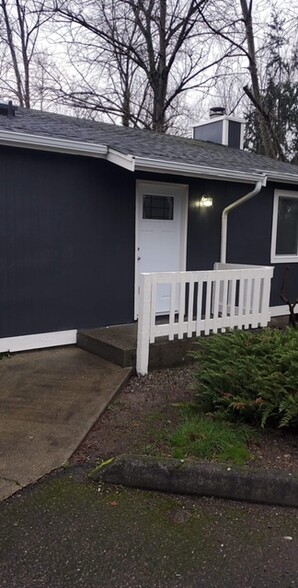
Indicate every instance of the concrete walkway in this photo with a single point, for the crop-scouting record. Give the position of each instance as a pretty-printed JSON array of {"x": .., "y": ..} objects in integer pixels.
[{"x": 49, "y": 400}]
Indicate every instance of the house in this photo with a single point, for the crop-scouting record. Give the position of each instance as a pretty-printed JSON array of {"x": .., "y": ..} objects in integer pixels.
[{"x": 87, "y": 206}]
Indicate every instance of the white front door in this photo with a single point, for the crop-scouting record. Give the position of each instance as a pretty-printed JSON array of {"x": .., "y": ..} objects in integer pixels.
[{"x": 161, "y": 226}]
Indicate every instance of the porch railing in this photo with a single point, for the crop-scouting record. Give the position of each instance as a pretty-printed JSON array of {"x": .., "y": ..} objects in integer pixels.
[{"x": 201, "y": 302}]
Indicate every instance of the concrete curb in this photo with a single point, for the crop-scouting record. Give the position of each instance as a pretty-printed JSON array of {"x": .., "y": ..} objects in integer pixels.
[{"x": 201, "y": 479}]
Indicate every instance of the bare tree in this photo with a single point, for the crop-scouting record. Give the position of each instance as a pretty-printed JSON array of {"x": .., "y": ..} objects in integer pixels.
[
  {"x": 268, "y": 138},
  {"x": 147, "y": 52},
  {"x": 237, "y": 28},
  {"x": 22, "y": 59},
  {"x": 279, "y": 90}
]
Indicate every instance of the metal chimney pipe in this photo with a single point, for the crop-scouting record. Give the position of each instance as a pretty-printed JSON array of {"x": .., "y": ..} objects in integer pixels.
[{"x": 217, "y": 111}]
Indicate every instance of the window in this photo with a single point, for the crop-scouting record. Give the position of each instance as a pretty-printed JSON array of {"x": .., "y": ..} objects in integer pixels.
[
  {"x": 284, "y": 244},
  {"x": 158, "y": 207}
]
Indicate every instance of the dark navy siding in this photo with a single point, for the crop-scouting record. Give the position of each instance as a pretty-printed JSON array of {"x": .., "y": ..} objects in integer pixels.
[
  {"x": 204, "y": 225},
  {"x": 67, "y": 242},
  {"x": 67, "y": 237},
  {"x": 249, "y": 229},
  {"x": 249, "y": 232},
  {"x": 234, "y": 134}
]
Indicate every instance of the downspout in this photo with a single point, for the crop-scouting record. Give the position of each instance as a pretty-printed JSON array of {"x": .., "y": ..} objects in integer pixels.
[{"x": 225, "y": 212}]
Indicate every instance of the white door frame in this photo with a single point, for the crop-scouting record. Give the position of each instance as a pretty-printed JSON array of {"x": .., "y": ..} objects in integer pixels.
[{"x": 167, "y": 189}]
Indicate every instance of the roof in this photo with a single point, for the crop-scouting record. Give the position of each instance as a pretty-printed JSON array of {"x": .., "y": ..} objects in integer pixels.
[{"x": 139, "y": 149}]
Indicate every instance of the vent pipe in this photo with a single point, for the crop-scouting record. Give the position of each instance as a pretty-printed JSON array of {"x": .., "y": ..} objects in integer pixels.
[{"x": 217, "y": 111}]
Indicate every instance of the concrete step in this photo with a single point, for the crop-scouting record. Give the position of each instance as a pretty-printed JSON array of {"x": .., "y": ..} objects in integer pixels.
[{"x": 118, "y": 344}]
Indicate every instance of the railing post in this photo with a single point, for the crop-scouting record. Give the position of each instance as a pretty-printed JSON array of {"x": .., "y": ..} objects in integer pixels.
[
  {"x": 265, "y": 308},
  {"x": 144, "y": 325}
]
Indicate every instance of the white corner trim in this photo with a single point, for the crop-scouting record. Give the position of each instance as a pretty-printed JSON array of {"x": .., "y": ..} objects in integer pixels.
[
  {"x": 225, "y": 132},
  {"x": 55, "y": 144},
  {"x": 281, "y": 310},
  {"x": 126, "y": 161},
  {"x": 242, "y": 132},
  {"x": 38, "y": 341}
]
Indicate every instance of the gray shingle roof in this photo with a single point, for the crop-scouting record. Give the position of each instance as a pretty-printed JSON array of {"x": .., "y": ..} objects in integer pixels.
[{"x": 142, "y": 143}]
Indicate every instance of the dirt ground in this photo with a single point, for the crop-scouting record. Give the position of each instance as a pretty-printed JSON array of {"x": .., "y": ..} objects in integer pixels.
[{"x": 146, "y": 410}]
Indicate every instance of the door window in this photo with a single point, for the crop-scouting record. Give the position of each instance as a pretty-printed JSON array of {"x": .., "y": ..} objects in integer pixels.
[{"x": 158, "y": 207}]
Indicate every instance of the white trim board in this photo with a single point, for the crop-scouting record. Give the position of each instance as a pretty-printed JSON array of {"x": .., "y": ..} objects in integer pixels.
[
  {"x": 136, "y": 163},
  {"x": 56, "y": 144},
  {"x": 59, "y": 338},
  {"x": 225, "y": 132},
  {"x": 191, "y": 170},
  {"x": 38, "y": 341},
  {"x": 122, "y": 160},
  {"x": 281, "y": 310},
  {"x": 277, "y": 257}
]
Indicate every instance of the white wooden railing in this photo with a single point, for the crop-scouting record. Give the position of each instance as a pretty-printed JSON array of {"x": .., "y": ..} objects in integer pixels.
[{"x": 201, "y": 302}]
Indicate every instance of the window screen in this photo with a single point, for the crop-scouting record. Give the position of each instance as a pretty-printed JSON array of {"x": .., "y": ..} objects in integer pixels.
[
  {"x": 158, "y": 207},
  {"x": 287, "y": 227}
]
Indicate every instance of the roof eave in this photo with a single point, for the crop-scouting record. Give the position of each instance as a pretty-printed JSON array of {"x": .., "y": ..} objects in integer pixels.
[
  {"x": 120, "y": 159},
  {"x": 44, "y": 143},
  {"x": 135, "y": 163},
  {"x": 283, "y": 178},
  {"x": 186, "y": 169}
]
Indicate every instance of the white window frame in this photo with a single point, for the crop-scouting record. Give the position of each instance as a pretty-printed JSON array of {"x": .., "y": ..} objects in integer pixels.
[{"x": 276, "y": 258}]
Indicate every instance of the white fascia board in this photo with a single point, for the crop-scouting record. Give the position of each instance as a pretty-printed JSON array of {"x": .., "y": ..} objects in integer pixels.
[
  {"x": 126, "y": 161},
  {"x": 274, "y": 176},
  {"x": 283, "y": 178},
  {"x": 186, "y": 169},
  {"x": 218, "y": 118},
  {"x": 55, "y": 144}
]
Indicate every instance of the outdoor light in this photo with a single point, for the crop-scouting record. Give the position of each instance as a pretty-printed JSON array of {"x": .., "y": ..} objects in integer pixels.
[{"x": 204, "y": 202}]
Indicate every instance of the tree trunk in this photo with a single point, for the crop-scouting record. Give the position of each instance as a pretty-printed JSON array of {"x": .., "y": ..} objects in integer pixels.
[
  {"x": 253, "y": 70},
  {"x": 161, "y": 77}
]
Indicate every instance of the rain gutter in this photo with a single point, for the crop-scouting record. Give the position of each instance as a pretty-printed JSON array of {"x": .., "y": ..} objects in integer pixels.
[
  {"x": 60, "y": 145},
  {"x": 187, "y": 169}
]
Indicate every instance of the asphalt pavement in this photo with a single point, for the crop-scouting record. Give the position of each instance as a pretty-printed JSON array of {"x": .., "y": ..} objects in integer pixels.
[{"x": 66, "y": 531}]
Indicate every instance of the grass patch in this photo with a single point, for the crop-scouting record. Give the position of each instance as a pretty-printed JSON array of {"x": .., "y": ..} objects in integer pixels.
[
  {"x": 212, "y": 440},
  {"x": 154, "y": 417}
]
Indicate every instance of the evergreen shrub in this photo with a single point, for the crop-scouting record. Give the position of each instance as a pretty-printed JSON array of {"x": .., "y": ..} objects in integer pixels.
[{"x": 251, "y": 376}]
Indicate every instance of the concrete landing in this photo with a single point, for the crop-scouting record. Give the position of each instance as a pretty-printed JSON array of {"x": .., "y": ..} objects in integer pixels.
[
  {"x": 118, "y": 344},
  {"x": 48, "y": 402}
]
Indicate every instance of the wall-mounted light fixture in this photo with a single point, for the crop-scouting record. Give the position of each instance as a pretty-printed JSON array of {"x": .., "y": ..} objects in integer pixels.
[{"x": 205, "y": 201}]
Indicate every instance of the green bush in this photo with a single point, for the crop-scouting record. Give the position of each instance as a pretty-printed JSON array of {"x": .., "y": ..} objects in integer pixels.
[{"x": 252, "y": 376}]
